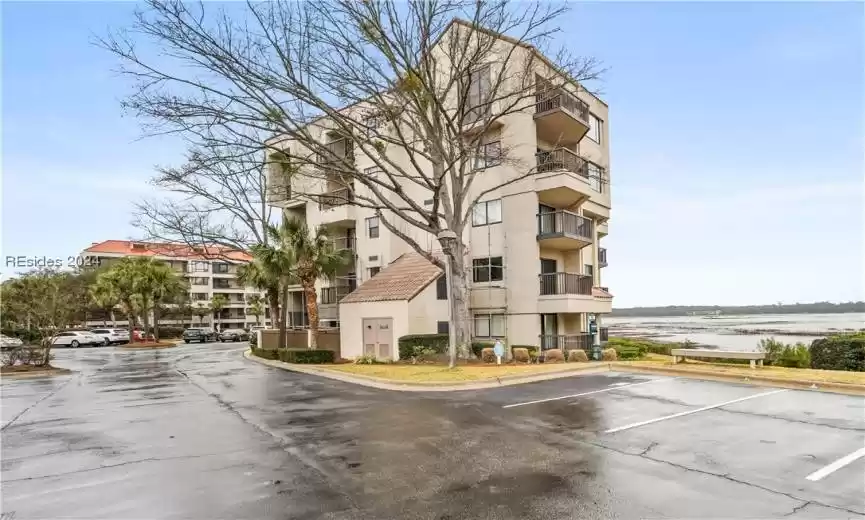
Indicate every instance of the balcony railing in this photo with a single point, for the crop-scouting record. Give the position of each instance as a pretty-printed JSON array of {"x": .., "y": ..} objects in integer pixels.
[
  {"x": 344, "y": 243},
  {"x": 582, "y": 341},
  {"x": 278, "y": 193},
  {"x": 546, "y": 101},
  {"x": 562, "y": 159},
  {"x": 335, "y": 198},
  {"x": 565, "y": 283},
  {"x": 602, "y": 256},
  {"x": 331, "y": 295},
  {"x": 560, "y": 222},
  {"x": 341, "y": 149}
]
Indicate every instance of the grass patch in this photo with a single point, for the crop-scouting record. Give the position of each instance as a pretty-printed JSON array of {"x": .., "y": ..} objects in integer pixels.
[
  {"x": 443, "y": 374},
  {"x": 788, "y": 374}
]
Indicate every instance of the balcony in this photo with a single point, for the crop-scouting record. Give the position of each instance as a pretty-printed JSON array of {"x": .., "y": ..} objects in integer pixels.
[
  {"x": 346, "y": 242},
  {"x": 337, "y": 207},
  {"x": 336, "y": 151},
  {"x": 565, "y": 179},
  {"x": 582, "y": 341},
  {"x": 565, "y": 283},
  {"x": 560, "y": 117},
  {"x": 562, "y": 293},
  {"x": 602, "y": 257},
  {"x": 564, "y": 230},
  {"x": 331, "y": 295}
]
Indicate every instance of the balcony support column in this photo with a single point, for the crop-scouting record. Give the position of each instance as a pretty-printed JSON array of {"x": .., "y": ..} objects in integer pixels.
[{"x": 596, "y": 267}]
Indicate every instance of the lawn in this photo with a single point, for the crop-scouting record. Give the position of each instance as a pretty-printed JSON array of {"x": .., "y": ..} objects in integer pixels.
[
  {"x": 788, "y": 374},
  {"x": 443, "y": 374}
]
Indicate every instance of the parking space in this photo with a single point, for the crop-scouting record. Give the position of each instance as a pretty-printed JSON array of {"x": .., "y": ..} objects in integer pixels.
[{"x": 801, "y": 444}]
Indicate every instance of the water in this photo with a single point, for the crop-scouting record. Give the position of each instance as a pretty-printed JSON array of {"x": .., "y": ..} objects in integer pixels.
[{"x": 742, "y": 332}]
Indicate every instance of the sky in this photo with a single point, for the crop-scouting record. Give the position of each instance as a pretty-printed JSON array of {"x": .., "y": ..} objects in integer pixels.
[{"x": 736, "y": 138}]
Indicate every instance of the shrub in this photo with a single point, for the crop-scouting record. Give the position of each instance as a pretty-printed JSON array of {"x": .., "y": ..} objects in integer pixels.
[
  {"x": 169, "y": 332},
  {"x": 488, "y": 355},
  {"x": 520, "y": 355},
  {"x": 643, "y": 344},
  {"x": 772, "y": 349},
  {"x": 534, "y": 354},
  {"x": 253, "y": 339},
  {"x": 265, "y": 353},
  {"x": 306, "y": 356},
  {"x": 609, "y": 354},
  {"x": 553, "y": 355},
  {"x": 578, "y": 355},
  {"x": 421, "y": 353},
  {"x": 629, "y": 351},
  {"x": 366, "y": 359},
  {"x": 25, "y": 335},
  {"x": 839, "y": 352},
  {"x": 436, "y": 342},
  {"x": 479, "y": 346},
  {"x": 795, "y": 356}
]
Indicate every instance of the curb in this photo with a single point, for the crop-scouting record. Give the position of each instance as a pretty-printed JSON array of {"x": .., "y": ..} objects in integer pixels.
[
  {"x": 159, "y": 347},
  {"x": 39, "y": 373},
  {"x": 386, "y": 384},
  {"x": 756, "y": 380}
]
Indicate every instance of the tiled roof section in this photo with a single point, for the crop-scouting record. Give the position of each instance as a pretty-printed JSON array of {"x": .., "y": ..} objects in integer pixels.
[
  {"x": 133, "y": 248},
  {"x": 403, "y": 279},
  {"x": 601, "y": 292}
]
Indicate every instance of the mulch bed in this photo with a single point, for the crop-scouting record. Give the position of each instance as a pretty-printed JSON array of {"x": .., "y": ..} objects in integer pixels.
[
  {"x": 149, "y": 345},
  {"x": 32, "y": 370}
]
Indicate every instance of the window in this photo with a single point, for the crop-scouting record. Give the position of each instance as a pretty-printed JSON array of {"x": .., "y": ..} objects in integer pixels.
[
  {"x": 428, "y": 202},
  {"x": 487, "y": 269},
  {"x": 488, "y": 155},
  {"x": 476, "y": 104},
  {"x": 220, "y": 268},
  {"x": 489, "y": 212},
  {"x": 222, "y": 283},
  {"x": 595, "y": 128},
  {"x": 198, "y": 280},
  {"x": 442, "y": 327},
  {"x": 589, "y": 269},
  {"x": 198, "y": 267},
  {"x": 199, "y": 296},
  {"x": 442, "y": 288},
  {"x": 489, "y": 325},
  {"x": 596, "y": 176},
  {"x": 374, "y": 271},
  {"x": 372, "y": 122},
  {"x": 372, "y": 227}
]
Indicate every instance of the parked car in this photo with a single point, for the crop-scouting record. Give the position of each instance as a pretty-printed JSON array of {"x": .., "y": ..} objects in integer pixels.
[
  {"x": 9, "y": 342},
  {"x": 75, "y": 338},
  {"x": 233, "y": 335},
  {"x": 112, "y": 336},
  {"x": 200, "y": 334}
]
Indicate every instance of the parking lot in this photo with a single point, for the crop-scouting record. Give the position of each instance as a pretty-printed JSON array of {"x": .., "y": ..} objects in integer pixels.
[{"x": 199, "y": 432}]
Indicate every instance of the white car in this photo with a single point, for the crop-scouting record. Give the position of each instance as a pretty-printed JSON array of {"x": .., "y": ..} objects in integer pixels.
[
  {"x": 75, "y": 338},
  {"x": 112, "y": 336},
  {"x": 9, "y": 342}
]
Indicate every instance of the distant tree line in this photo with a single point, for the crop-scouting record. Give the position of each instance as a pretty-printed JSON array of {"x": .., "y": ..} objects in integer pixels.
[{"x": 795, "y": 308}]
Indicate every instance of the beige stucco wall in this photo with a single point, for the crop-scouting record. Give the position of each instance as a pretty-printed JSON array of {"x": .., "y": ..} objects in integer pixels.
[{"x": 351, "y": 324}]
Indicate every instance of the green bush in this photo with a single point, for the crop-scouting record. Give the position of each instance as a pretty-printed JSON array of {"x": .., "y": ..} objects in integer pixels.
[
  {"x": 795, "y": 356},
  {"x": 479, "y": 346},
  {"x": 265, "y": 353},
  {"x": 25, "y": 335},
  {"x": 365, "y": 359},
  {"x": 773, "y": 349},
  {"x": 644, "y": 345},
  {"x": 839, "y": 352},
  {"x": 629, "y": 351},
  {"x": 436, "y": 342},
  {"x": 306, "y": 356},
  {"x": 253, "y": 339},
  {"x": 169, "y": 332},
  {"x": 422, "y": 354}
]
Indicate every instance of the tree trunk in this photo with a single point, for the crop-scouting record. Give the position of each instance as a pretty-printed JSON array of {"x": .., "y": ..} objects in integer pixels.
[
  {"x": 156, "y": 322},
  {"x": 459, "y": 321},
  {"x": 312, "y": 311},
  {"x": 113, "y": 318},
  {"x": 281, "y": 319},
  {"x": 273, "y": 305},
  {"x": 146, "y": 318}
]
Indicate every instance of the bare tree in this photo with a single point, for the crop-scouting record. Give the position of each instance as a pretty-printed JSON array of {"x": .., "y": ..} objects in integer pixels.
[
  {"x": 415, "y": 89},
  {"x": 217, "y": 198}
]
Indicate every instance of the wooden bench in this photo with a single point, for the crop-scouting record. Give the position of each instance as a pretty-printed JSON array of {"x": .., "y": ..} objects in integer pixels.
[{"x": 679, "y": 354}]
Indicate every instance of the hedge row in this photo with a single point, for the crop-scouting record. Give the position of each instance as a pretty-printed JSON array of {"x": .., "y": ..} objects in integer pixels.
[
  {"x": 296, "y": 355},
  {"x": 841, "y": 352},
  {"x": 437, "y": 342}
]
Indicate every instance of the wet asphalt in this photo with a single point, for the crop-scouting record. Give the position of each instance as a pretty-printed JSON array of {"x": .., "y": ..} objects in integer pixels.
[{"x": 200, "y": 432}]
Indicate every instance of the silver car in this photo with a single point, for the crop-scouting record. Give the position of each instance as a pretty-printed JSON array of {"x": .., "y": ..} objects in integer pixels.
[
  {"x": 112, "y": 336},
  {"x": 9, "y": 342}
]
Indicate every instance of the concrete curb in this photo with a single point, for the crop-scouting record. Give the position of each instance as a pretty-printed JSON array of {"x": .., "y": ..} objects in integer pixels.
[
  {"x": 37, "y": 373},
  {"x": 756, "y": 379},
  {"x": 386, "y": 384}
]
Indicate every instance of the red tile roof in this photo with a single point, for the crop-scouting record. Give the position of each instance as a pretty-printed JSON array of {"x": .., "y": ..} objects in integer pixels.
[
  {"x": 403, "y": 279},
  {"x": 601, "y": 292},
  {"x": 125, "y": 247}
]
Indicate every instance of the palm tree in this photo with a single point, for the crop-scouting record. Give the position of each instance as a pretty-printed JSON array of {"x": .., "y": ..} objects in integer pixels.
[
  {"x": 255, "y": 274},
  {"x": 120, "y": 280},
  {"x": 218, "y": 303},
  {"x": 255, "y": 307},
  {"x": 104, "y": 296},
  {"x": 166, "y": 286},
  {"x": 201, "y": 309},
  {"x": 274, "y": 262},
  {"x": 315, "y": 258}
]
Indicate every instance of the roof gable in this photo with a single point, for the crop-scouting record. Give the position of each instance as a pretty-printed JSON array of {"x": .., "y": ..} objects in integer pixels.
[{"x": 403, "y": 279}]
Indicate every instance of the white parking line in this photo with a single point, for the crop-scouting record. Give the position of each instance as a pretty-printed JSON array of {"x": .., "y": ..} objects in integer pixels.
[
  {"x": 614, "y": 386},
  {"x": 835, "y": 466},
  {"x": 689, "y": 412}
]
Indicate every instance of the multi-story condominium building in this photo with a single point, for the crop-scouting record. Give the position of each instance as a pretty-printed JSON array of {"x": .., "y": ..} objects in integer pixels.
[
  {"x": 209, "y": 272},
  {"x": 535, "y": 245}
]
